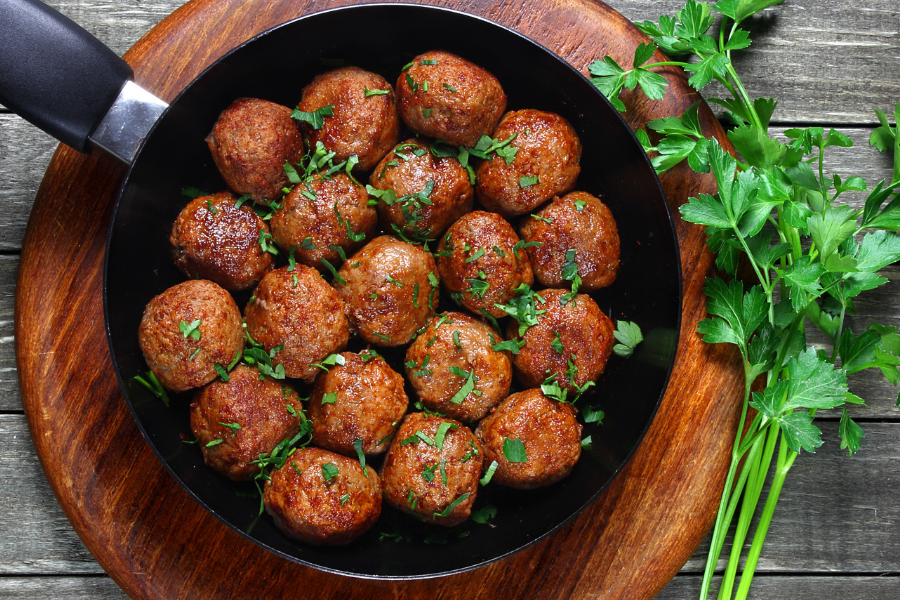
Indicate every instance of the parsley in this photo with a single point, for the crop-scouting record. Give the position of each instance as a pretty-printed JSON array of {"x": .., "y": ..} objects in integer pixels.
[
  {"x": 330, "y": 361},
  {"x": 428, "y": 62},
  {"x": 426, "y": 112},
  {"x": 579, "y": 205},
  {"x": 509, "y": 346},
  {"x": 776, "y": 210},
  {"x": 316, "y": 118},
  {"x": 553, "y": 390},
  {"x": 521, "y": 245},
  {"x": 468, "y": 386},
  {"x": 209, "y": 206},
  {"x": 449, "y": 87},
  {"x": 489, "y": 474},
  {"x": 441, "y": 433},
  {"x": 486, "y": 146},
  {"x": 214, "y": 443},
  {"x": 263, "y": 361},
  {"x": 540, "y": 218},
  {"x": 344, "y": 499},
  {"x": 629, "y": 335},
  {"x": 428, "y": 473},
  {"x": 360, "y": 455},
  {"x": 523, "y": 308},
  {"x": 152, "y": 384},
  {"x": 586, "y": 443},
  {"x": 570, "y": 273},
  {"x": 337, "y": 278},
  {"x": 477, "y": 288},
  {"x": 329, "y": 398},
  {"x": 528, "y": 181},
  {"x": 412, "y": 84},
  {"x": 446, "y": 512},
  {"x": 415, "y": 298},
  {"x": 267, "y": 242},
  {"x": 514, "y": 450},
  {"x": 592, "y": 414},
  {"x": 478, "y": 254},
  {"x": 194, "y": 354},
  {"x": 556, "y": 344},
  {"x": 307, "y": 244},
  {"x": 369, "y": 92},
  {"x": 422, "y": 370},
  {"x": 444, "y": 471},
  {"x": 234, "y": 427},
  {"x": 456, "y": 341},
  {"x": 190, "y": 330},
  {"x": 193, "y": 192},
  {"x": 500, "y": 252},
  {"x": 393, "y": 281},
  {"x": 484, "y": 514},
  {"x": 329, "y": 471},
  {"x": 241, "y": 200}
]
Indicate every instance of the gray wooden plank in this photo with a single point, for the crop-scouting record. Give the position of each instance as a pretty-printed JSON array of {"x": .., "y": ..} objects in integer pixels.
[
  {"x": 10, "y": 399},
  {"x": 60, "y": 588},
  {"x": 836, "y": 514},
  {"x": 767, "y": 587},
  {"x": 36, "y": 538}
]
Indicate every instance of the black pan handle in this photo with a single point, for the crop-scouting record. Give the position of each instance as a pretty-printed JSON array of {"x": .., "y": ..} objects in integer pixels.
[{"x": 55, "y": 74}]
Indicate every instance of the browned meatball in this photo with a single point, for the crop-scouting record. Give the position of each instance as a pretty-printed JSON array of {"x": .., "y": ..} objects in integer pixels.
[
  {"x": 367, "y": 126},
  {"x": 321, "y": 215},
  {"x": 548, "y": 431},
  {"x": 389, "y": 289},
  {"x": 546, "y": 163},
  {"x": 446, "y": 97},
  {"x": 235, "y": 421},
  {"x": 438, "y": 361},
  {"x": 300, "y": 311},
  {"x": 187, "y": 330},
  {"x": 250, "y": 143},
  {"x": 361, "y": 400},
  {"x": 582, "y": 226},
  {"x": 434, "y": 475},
  {"x": 580, "y": 327},
  {"x": 214, "y": 239},
  {"x": 431, "y": 192},
  {"x": 320, "y": 497},
  {"x": 480, "y": 262}
]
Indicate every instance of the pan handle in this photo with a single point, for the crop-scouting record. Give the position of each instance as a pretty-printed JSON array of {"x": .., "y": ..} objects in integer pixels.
[{"x": 55, "y": 74}]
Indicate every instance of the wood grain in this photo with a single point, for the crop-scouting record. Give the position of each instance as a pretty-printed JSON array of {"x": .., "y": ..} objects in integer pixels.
[{"x": 172, "y": 544}]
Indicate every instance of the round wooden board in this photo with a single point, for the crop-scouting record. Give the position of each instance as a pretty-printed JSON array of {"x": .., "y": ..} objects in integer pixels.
[{"x": 156, "y": 542}]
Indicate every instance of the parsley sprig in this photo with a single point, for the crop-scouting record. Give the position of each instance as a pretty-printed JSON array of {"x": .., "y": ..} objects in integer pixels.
[{"x": 775, "y": 209}]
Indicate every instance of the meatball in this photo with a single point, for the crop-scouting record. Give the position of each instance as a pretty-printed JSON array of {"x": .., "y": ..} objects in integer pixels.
[
  {"x": 446, "y": 97},
  {"x": 250, "y": 142},
  {"x": 434, "y": 475},
  {"x": 482, "y": 263},
  {"x": 298, "y": 311},
  {"x": 319, "y": 497},
  {"x": 389, "y": 289},
  {"x": 432, "y": 192},
  {"x": 576, "y": 227},
  {"x": 322, "y": 216},
  {"x": 361, "y": 400},
  {"x": 548, "y": 432},
  {"x": 361, "y": 123},
  {"x": 454, "y": 369},
  {"x": 215, "y": 239},
  {"x": 187, "y": 330},
  {"x": 235, "y": 421},
  {"x": 579, "y": 327},
  {"x": 546, "y": 163}
]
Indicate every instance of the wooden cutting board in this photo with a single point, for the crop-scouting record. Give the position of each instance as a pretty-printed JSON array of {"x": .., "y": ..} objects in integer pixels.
[{"x": 156, "y": 542}]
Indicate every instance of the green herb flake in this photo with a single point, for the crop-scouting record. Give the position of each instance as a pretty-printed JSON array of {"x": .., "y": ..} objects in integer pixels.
[
  {"x": 329, "y": 471},
  {"x": 214, "y": 443},
  {"x": 441, "y": 433},
  {"x": 489, "y": 474},
  {"x": 344, "y": 499},
  {"x": 428, "y": 473},
  {"x": 194, "y": 354},
  {"x": 484, "y": 514},
  {"x": 337, "y": 278},
  {"x": 592, "y": 414},
  {"x": 629, "y": 335},
  {"x": 426, "y": 112},
  {"x": 478, "y": 254},
  {"x": 329, "y": 398},
  {"x": 544, "y": 219},
  {"x": 209, "y": 206},
  {"x": 556, "y": 344},
  {"x": 234, "y": 427},
  {"x": 428, "y": 62},
  {"x": 190, "y": 330},
  {"x": 360, "y": 455},
  {"x": 446, "y": 512},
  {"x": 316, "y": 118},
  {"x": 586, "y": 443},
  {"x": 514, "y": 450},
  {"x": 579, "y": 205},
  {"x": 449, "y": 87},
  {"x": 468, "y": 386},
  {"x": 369, "y": 92}
]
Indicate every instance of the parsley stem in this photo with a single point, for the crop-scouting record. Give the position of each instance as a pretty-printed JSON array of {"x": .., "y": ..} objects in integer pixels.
[
  {"x": 668, "y": 63},
  {"x": 744, "y": 97}
]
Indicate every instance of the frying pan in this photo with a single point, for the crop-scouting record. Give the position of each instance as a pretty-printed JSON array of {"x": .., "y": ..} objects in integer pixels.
[{"x": 59, "y": 77}]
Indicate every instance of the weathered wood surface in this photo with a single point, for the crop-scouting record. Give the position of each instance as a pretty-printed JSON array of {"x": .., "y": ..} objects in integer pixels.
[{"x": 827, "y": 62}]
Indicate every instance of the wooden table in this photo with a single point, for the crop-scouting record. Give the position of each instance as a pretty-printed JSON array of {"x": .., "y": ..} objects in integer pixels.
[{"x": 836, "y": 530}]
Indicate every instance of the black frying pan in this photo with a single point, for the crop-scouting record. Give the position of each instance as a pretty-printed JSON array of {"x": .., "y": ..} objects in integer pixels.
[{"x": 275, "y": 65}]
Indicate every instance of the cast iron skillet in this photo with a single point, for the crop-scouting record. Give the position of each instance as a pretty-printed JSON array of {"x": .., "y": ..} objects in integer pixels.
[{"x": 275, "y": 65}]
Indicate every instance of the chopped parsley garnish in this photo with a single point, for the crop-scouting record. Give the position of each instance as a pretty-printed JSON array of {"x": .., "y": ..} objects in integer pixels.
[
  {"x": 470, "y": 453},
  {"x": 241, "y": 200},
  {"x": 478, "y": 288},
  {"x": 267, "y": 242},
  {"x": 337, "y": 278},
  {"x": 478, "y": 254},
  {"x": 490, "y": 318},
  {"x": 446, "y": 512},
  {"x": 500, "y": 252},
  {"x": 288, "y": 407},
  {"x": 579, "y": 205},
  {"x": 586, "y": 443},
  {"x": 415, "y": 298},
  {"x": 522, "y": 307},
  {"x": 422, "y": 370},
  {"x": 628, "y": 335},
  {"x": 358, "y": 446},
  {"x": 295, "y": 468},
  {"x": 369, "y": 92},
  {"x": 441, "y": 433},
  {"x": 329, "y": 471},
  {"x": 433, "y": 280},
  {"x": 425, "y": 89},
  {"x": 329, "y": 398},
  {"x": 514, "y": 450},
  {"x": 428, "y": 62},
  {"x": 490, "y": 473},
  {"x": 483, "y": 515},
  {"x": 192, "y": 192},
  {"x": 407, "y": 65},
  {"x": 191, "y": 330},
  {"x": 553, "y": 390},
  {"x": 570, "y": 273},
  {"x": 214, "y": 443},
  {"x": 223, "y": 374},
  {"x": 330, "y": 361},
  {"x": 194, "y": 354},
  {"x": 456, "y": 341},
  {"x": 544, "y": 219},
  {"x": 428, "y": 473},
  {"x": 393, "y": 281},
  {"x": 307, "y": 244},
  {"x": 381, "y": 336},
  {"x": 411, "y": 500},
  {"x": 444, "y": 471},
  {"x": 344, "y": 499},
  {"x": 467, "y": 387},
  {"x": 509, "y": 345},
  {"x": 486, "y": 145},
  {"x": 209, "y": 206},
  {"x": 449, "y": 87},
  {"x": 556, "y": 344},
  {"x": 426, "y": 112},
  {"x": 234, "y": 427},
  {"x": 316, "y": 118},
  {"x": 412, "y": 84},
  {"x": 523, "y": 244},
  {"x": 153, "y": 386},
  {"x": 263, "y": 361}
]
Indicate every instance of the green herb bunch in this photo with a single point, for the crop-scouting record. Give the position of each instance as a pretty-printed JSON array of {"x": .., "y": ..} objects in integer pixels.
[{"x": 776, "y": 211}]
